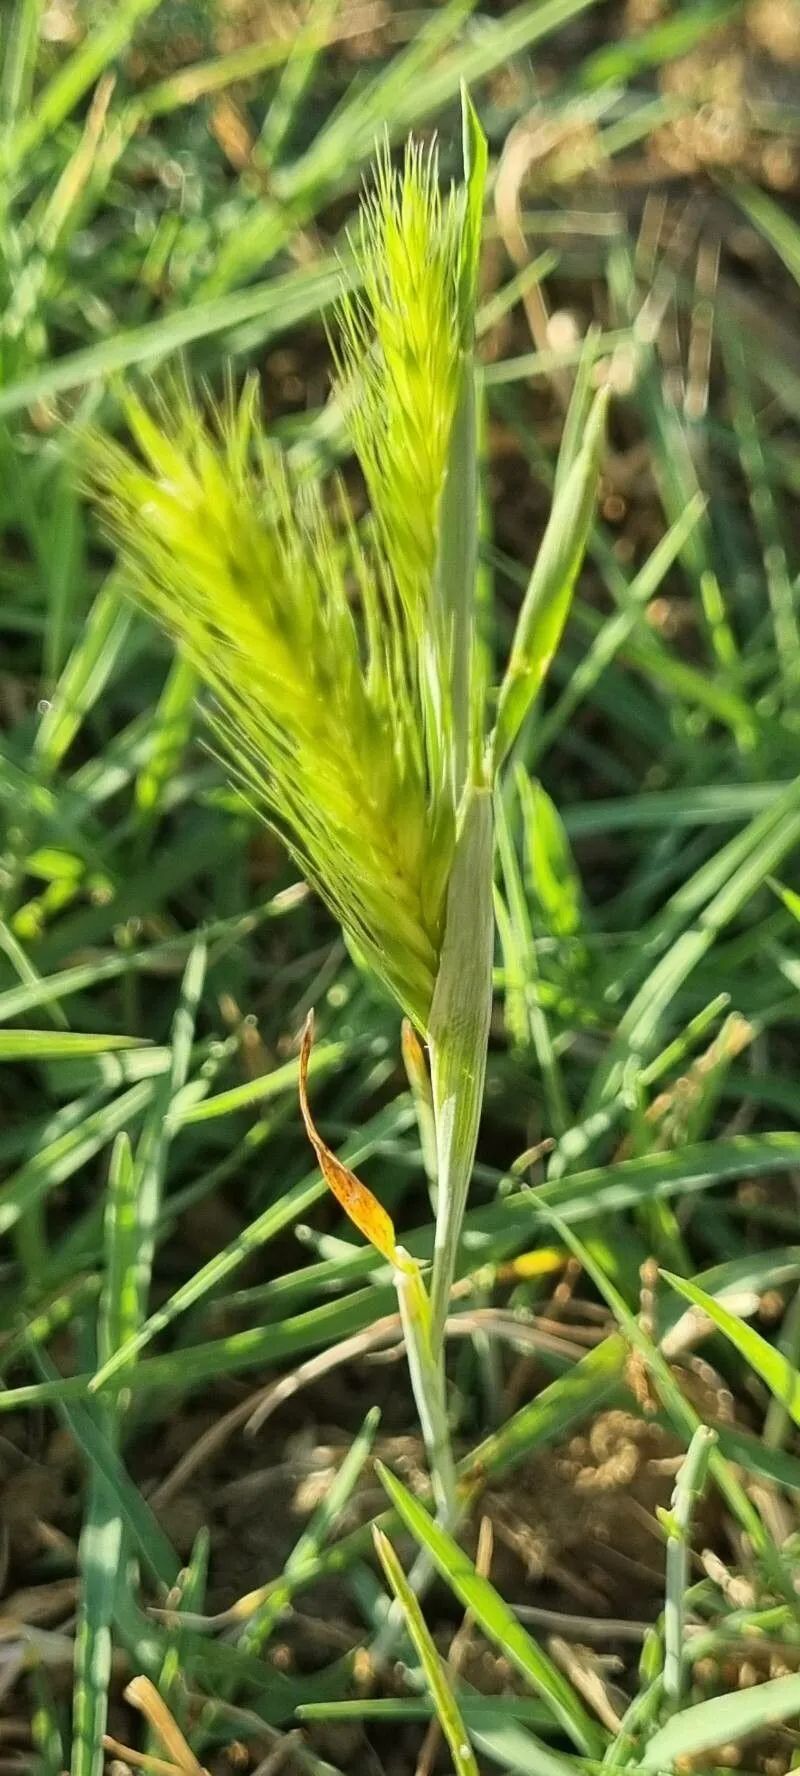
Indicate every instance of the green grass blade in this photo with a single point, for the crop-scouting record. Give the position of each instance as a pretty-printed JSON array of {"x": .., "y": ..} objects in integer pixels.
[
  {"x": 775, "y": 1370},
  {"x": 277, "y": 1594},
  {"x": 23, "y": 967},
  {"x": 445, "y": 1704},
  {"x": 102, "y": 1543},
  {"x": 723, "y": 1720},
  {"x": 19, "y": 62},
  {"x": 153, "y": 1148},
  {"x": 85, "y": 676},
  {"x": 65, "y": 1155},
  {"x": 73, "y": 79},
  {"x": 458, "y": 1035},
  {"x": 735, "y": 874},
  {"x": 49, "y": 1045},
  {"x": 527, "y": 1020},
  {"x": 611, "y": 638},
  {"x": 564, "y": 1403},
  {"x": 297, "y": 74},
  {"x": 546, "y": 603},
  {"x": 325, "y": 1058},
  {"x": 273, "y": 306},
  {"x": 100, "y": 1554},
  {"x": 773, "y": 221},
  {"x": 171, "y": 726},
  {"x": 493, "y": 1616}
]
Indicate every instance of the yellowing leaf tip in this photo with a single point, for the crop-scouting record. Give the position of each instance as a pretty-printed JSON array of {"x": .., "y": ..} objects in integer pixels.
[{"x": 359, "y": 1203}]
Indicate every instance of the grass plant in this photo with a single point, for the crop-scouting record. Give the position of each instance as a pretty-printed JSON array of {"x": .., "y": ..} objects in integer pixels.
[{"x": 517, "y": 693}]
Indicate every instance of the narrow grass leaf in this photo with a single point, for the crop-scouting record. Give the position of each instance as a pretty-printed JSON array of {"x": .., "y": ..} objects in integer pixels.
[
  {"x": 270, "y": 1603},
  {"x": 96, "y": 1429},
  {"x": 74, "y": 78},
  {"x": 753, "y": 856},
  {"x": 274, "y": 305},
  {"x": 775, "y": 1370},
  {"x": 493, "y": 1616},
  {"x": 85, "y": 676},
  {"x": 665, "y": 41},
  {"x": 545, "y": 606},
  {"x": 153, "y": 1147},
  {"x": 61, "y": 1158},
  {"x": 119, "y": 1305},
  {"x": 323, "y": 1059},
  {"x": 296, "y": 76},
  {"x": 49, "y": 1045},
  {"x": 187, "y": 1597},
  {"x": 444, "y": 1701},
  {"x": 171, "y": 726},
  {"x": 527, "y": 1021},
  {"x": 100, "y": 1552},
  {"x": 611, "y": 638},
  {"x": 23, "y": 967},
  {"x": 19, "y": 61},
  {"x": 723, "y": 1720},
  {"x": 677, "y": 1523},
  {"x": 773, "y": 220},
  {"x": 458, "y": 1036}
]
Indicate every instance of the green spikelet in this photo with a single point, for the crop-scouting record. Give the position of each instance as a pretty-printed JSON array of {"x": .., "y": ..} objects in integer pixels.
[
  {"x": 330, "y": 661},
  {"x": 399, "y": 357},
  {"x": 301, "y": 638}
]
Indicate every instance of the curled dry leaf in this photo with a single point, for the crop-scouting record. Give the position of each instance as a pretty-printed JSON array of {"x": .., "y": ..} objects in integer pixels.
[{"x": 359, "y": 1204}]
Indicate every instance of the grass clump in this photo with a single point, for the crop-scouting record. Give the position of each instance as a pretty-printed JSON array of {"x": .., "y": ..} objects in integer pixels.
[{"x": 574, "y": 822}]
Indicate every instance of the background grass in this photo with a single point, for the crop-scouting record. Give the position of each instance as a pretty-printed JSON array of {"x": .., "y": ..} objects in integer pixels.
[{"x": 179, "y": 177}]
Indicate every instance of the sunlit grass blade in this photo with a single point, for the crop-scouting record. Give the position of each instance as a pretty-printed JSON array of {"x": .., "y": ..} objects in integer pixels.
[
  {"x": 172, "y": 721},
  {"x": 85, "y": 676},
  {"x": 494, "y": 1616},
  {"x": 47, "y": 1045},
  {"x": 459, "y": 1032},
  {"x": 722, "y": 1720},
  {"x": 19, "y": 61},
  {"x": 262, "y": 1611},
  {"x": 773, "y": 220},
  {"x": 526, "y": 1018},
  {"x": 296, "y": 76},
  {"x": 270, "y": 308},
  {"x": 546, "y": 603},
  {"x": 682, "y": 1413},
  {"x": 444, "y": 1701},
  {"x": 103, "y": 1534},
  {"x": 776, "y": 1371},
  {"x": 73, "y": 79}
]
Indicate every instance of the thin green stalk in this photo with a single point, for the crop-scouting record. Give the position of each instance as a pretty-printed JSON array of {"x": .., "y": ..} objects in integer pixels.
[
  {"x": 677, "y": 1522},
  {"x": 426, "y": 1369}
]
